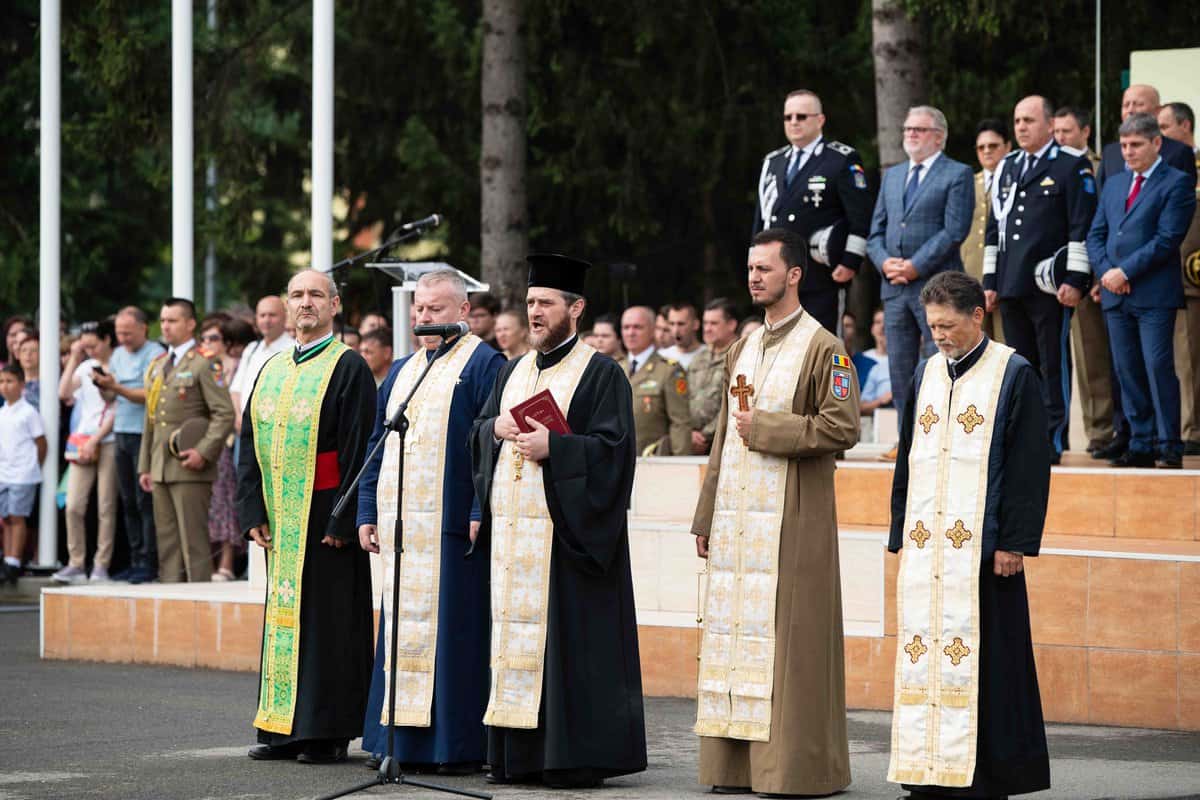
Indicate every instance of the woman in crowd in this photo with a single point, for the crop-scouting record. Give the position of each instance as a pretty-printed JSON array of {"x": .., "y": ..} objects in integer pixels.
[
  {"x": 29, "y": 358},
  {"x": 512, "y": 334},
  {"x": 224, "y": 337},
  {"x": 92, "y": 451}
]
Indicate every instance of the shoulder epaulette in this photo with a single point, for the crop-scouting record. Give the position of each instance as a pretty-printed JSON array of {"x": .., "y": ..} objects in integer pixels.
[
  {"x": 844, "y": 149},
  {"x": 778, "y": 152},
  {"x": 1074, "y": 151}
]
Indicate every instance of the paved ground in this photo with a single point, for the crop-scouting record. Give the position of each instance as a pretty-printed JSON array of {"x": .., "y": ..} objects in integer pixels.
[{"x": 73, "y": 730}]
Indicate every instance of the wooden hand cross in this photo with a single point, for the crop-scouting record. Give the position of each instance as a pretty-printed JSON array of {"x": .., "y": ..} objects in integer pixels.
[{"x": 743, "y": 392}]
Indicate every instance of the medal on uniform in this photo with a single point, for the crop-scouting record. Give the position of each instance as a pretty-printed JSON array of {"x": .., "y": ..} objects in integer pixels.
[{"x": 647, "y": 403}]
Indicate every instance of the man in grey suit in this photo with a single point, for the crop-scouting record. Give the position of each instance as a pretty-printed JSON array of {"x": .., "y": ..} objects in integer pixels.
[{"x": 922, "y": 215}]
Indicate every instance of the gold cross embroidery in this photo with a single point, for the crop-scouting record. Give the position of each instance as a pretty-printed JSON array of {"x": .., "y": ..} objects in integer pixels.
[
  {"x": 518, "y": 462},
  {"x": 957, "y": 651},
  {"x": 916, "y": 649},
  {"x": 920, "y": 535},
  {"x": 958, "y": 534},
  {"x": 970, "y": 419},
  {"x": 743, "y": 392},
  {"x": 929, "y": 419}
]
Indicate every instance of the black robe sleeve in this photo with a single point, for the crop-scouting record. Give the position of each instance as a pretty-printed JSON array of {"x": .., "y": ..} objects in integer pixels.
[
  {"x": 589, "y": 475},
  {"x": 1025, "y": 487},
  {"x": 349, "y": 408},
  {"x": 900, "y": 475},
  {"x": 251, "y": 508}
]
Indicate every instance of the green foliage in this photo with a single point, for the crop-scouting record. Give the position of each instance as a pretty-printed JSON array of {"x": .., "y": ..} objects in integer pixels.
[{"x": 646, "y": 126}]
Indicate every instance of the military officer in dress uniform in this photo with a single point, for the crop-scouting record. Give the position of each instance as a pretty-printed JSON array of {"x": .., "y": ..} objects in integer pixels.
[
  {"x": 660, "y": 389},
  {"x": 188, "y": 416},
  {"x": 1044, "y": 204},
  {"x": 817, "y": 187}
]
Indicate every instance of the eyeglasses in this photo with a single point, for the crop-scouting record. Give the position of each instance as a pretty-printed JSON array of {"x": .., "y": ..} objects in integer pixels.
[
  {"x": 798, "y": 117},
  {"x": 211, "y": 337},
  {"x": 985, "y": 146},
  {"x": 916, "y": 129}
]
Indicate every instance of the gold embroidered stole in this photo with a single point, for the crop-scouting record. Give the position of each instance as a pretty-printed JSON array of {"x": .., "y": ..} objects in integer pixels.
[
  {"x": 286, "y": 410},
  {"x": 936, "y": 706},
  {"x": 737, "y": 652},
  {"x": 420, "y": 565},
  {"x": 522, "y": 538}
]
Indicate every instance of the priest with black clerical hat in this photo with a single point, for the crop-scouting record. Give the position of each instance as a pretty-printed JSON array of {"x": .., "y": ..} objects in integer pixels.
[{"x": 565, "y": 706}]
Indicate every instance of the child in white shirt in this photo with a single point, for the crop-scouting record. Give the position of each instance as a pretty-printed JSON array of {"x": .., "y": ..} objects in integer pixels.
[{"x": 22, "y": 450}]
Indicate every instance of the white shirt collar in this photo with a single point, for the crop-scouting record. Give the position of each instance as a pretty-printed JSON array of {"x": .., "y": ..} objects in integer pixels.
[
  {"x": 1041, "y": 153},
  {"x": 562, "y": 344},
  {"x": 771, "y": 326},
  {"x": 1146, "y": 175},
  {"x": 808, "y": 148},
  {"x": 300, "y": 348},
  {"x": 180, "y": 351},
  {"x": 925, "y": 165},
  {"x": 641, "y": 357}
]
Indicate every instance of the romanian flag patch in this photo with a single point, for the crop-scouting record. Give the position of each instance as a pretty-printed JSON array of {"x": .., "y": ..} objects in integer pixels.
[{"x": 841, "y": 361}]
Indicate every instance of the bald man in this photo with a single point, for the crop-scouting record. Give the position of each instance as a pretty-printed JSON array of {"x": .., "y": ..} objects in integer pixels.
[
  {"x": 660, "y": 389},
  {"x": 270, "y": 317}
]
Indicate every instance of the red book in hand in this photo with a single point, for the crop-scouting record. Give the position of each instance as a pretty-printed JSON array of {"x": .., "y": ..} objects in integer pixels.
[{"x": 542, "y": 408}]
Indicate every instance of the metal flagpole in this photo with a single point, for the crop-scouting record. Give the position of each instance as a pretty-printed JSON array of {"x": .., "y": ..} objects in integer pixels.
[
  {"x": 49, "y": 272},
  {"x": 182, "y": 275},
  {"x": 210, "y": 204},
  {"x": 1096, "y": 114},
  {"x": 322, "y": 135}
]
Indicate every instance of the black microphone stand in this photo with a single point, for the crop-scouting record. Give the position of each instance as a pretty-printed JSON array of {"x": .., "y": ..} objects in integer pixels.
[{"x": 389, "y": 771}]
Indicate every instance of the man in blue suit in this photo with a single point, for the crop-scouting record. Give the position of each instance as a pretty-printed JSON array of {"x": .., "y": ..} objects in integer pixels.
[
  {"x": 922, "y": 215},
  {"x": 1133, "y": 246}
]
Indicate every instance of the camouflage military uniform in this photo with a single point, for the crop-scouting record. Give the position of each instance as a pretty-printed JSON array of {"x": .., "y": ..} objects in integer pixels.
[
  {"x": 660, "y": 407},
  {"x": 706, "y": 386}
]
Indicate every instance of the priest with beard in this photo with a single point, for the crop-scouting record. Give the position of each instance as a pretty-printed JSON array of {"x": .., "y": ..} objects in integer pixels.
[
  {"x": 565, "y": 706},
  {"x": 304, "y": 438}
]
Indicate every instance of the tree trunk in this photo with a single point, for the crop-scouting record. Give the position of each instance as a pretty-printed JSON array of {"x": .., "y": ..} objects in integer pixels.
[
  {"x": 899, "y": 75},
  {"x": 503, "y": 227}
]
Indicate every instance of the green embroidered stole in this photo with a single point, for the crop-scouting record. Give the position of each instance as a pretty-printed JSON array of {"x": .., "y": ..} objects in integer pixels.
[{"x": 286, "y": 410}]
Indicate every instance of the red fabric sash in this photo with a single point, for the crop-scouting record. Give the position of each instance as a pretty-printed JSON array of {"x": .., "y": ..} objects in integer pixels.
[{"x": 328, "y": 476}]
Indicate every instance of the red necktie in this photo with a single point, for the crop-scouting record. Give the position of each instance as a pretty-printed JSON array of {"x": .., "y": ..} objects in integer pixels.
[{"x": 1137, "y": 188}]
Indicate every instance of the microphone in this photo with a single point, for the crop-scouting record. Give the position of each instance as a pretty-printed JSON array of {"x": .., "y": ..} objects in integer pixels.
[
  {"x": 432, "y": 221},
  {"x": 445, "y": 331}
]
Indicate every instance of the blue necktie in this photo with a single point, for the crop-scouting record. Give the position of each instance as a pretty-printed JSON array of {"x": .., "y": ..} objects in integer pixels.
[
  {"x": 793, "y": 167},
  {"x": 910, "y": 191}
]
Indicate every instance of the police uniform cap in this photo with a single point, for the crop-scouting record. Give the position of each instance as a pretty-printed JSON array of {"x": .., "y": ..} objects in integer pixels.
[{"x": 557, "y": 271}]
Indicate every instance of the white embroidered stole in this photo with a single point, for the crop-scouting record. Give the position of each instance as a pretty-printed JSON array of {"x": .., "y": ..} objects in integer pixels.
[
  {"x": 737, "y": 655},
  {"x": 936, "y": 706},
  {"x": 522, "y": 538},
  {"x": 420, "y": 563}
]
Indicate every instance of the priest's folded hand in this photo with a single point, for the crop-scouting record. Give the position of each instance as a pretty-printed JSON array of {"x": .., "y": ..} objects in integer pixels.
[
  {"x": 368, "y": 538},
  {"x": 262, "y": 536},
  {"x": 1008, "y": 564},
  {"x": 333, "y": 541},
  {"x": 745, "y": 419},
  {"x": 702, "y": 546},
  {"x": 506, "y": 427},
  {"x": 535, "y": 445}
]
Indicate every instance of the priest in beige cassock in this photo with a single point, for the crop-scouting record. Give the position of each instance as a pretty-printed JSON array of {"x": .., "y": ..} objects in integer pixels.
[
  {"x": 771, "y": 695},
  {"x": 968, "y": 504}
]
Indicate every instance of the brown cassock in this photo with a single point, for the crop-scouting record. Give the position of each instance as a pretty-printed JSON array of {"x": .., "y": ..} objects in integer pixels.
[{"x": 808, "y": 752}]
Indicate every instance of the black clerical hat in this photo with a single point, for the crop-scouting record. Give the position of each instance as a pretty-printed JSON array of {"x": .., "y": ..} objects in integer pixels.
[{"x": 556, "y": 271}]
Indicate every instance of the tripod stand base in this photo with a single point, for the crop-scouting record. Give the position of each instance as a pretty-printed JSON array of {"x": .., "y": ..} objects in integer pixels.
[{"x": 390, "y": 775}]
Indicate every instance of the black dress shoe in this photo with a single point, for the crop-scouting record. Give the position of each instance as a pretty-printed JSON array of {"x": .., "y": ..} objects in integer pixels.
[
  {"x": 322, "y": 752},
  {"x": 1132, "y": 458},
  {"x": 266, "y": 752},
  {"x": 1114, "y": 449},
  {"x": 1170, "y": 462},
  {"x": 1055, "y": 459},
  {"x": 373, "y": 762}
]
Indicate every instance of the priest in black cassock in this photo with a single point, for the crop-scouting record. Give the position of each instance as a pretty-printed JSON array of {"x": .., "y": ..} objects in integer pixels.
[
  {"x": 304, "y": 437},
  {"x": 565, "y": 705},
  {"x": 968, "y": 505}
]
